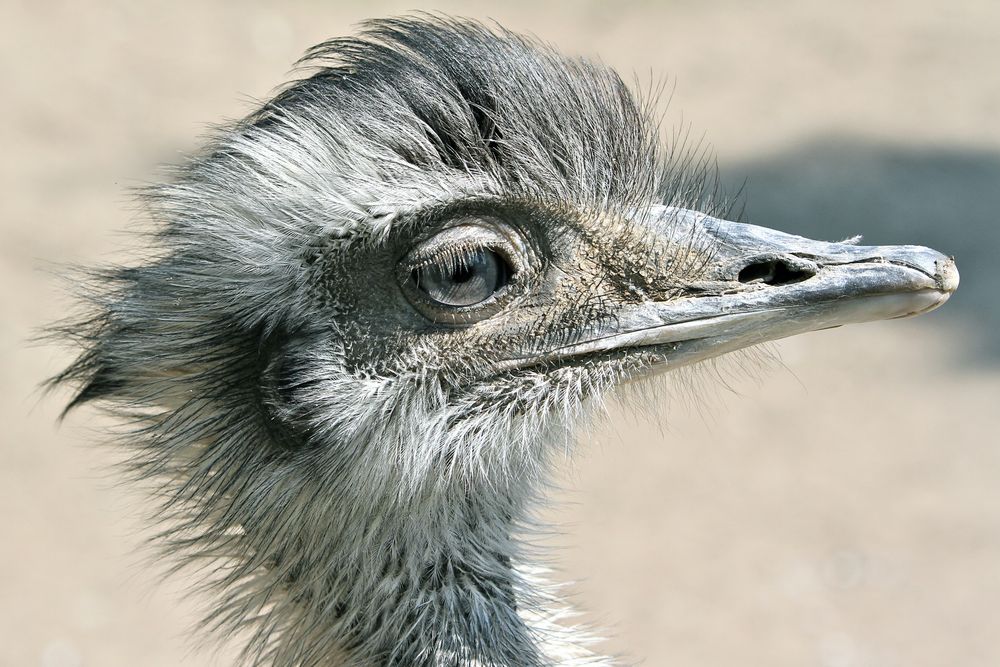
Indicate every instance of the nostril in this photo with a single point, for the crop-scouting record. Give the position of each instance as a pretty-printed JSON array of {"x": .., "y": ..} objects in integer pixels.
[{"x": 774, "y": 272}]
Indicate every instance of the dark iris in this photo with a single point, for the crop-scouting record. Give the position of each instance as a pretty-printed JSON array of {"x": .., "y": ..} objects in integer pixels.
[{"x": 465, "y": 279}]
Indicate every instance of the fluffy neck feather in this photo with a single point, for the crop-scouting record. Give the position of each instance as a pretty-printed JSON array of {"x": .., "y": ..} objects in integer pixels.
[{"x": 337, "y": 559}]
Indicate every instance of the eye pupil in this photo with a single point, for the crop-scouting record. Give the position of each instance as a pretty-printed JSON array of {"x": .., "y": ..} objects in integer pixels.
[
  {"x": 462, "y": 274},
  {"x": 468, "y": 279}
]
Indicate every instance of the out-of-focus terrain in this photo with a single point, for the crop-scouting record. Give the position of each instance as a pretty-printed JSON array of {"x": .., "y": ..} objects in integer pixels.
[{"x": 841, "y": 509}]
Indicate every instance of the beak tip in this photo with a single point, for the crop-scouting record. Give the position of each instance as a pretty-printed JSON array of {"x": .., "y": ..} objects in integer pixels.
[{"x": 947, "y": 275}]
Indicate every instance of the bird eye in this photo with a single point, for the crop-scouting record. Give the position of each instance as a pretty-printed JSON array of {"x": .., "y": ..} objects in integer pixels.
[
  {"x": 463, "y": 278},
  {"x": 462, "y": 274}
]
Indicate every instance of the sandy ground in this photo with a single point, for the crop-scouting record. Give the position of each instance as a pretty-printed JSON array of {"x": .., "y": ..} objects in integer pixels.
[{"x": 839, "y": 510}]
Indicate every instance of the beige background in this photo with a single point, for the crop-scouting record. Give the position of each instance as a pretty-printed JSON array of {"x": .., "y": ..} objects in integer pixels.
[{"x": 841, "y": 509}]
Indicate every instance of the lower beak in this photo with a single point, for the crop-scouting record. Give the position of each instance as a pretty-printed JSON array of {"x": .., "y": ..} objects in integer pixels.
[{"x": 762, "y": 285}]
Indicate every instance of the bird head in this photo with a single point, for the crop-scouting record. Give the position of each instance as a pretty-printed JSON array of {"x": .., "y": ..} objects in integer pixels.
[{"x": 396, "y": 282}]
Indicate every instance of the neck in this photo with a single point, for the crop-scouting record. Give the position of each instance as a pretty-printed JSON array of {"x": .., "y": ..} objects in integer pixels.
[
  {"x": 444, "y": 592},
  {"x": 395, "y": 547},
  {"x": 434, "y": 584}
]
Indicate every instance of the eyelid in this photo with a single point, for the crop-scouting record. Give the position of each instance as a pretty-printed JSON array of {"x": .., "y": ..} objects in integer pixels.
[
  {"x": 437, "y": 254},
  {"x": 466, "y": 238}
]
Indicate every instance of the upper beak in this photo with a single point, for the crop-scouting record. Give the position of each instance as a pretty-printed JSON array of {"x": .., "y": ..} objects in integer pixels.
[{"x": 761, "y": 284}]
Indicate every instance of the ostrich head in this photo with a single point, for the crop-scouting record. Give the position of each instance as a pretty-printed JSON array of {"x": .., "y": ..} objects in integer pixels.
[{"x": 372, "y": 306}]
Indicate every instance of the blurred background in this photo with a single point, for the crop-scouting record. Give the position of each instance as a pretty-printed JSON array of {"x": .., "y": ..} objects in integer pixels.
[{"x": 839, "y": 509}]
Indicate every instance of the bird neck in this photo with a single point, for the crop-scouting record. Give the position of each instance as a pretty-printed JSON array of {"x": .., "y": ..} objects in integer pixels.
[
  {"x": 409, "y": 555},
  {"x": 441, "y": 584},
  {"x": 446, "y": 590}
]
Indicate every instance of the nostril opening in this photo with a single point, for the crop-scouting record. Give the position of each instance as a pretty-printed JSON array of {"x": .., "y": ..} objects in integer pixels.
[{"x": 774, "y": 272}]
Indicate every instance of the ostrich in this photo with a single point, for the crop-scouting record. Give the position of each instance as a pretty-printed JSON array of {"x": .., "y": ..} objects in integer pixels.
[{"x": 372, "y": 311}]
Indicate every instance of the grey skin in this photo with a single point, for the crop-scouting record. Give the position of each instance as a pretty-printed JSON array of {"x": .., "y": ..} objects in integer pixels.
[{"x": 374, "y": 310}]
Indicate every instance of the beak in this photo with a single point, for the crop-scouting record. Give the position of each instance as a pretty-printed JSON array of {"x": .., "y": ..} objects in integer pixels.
[{"x": 761, "y": 285}]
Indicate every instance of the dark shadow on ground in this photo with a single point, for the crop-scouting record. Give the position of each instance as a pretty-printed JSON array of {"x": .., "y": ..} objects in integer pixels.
[{"x": 947, "y": 199}]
